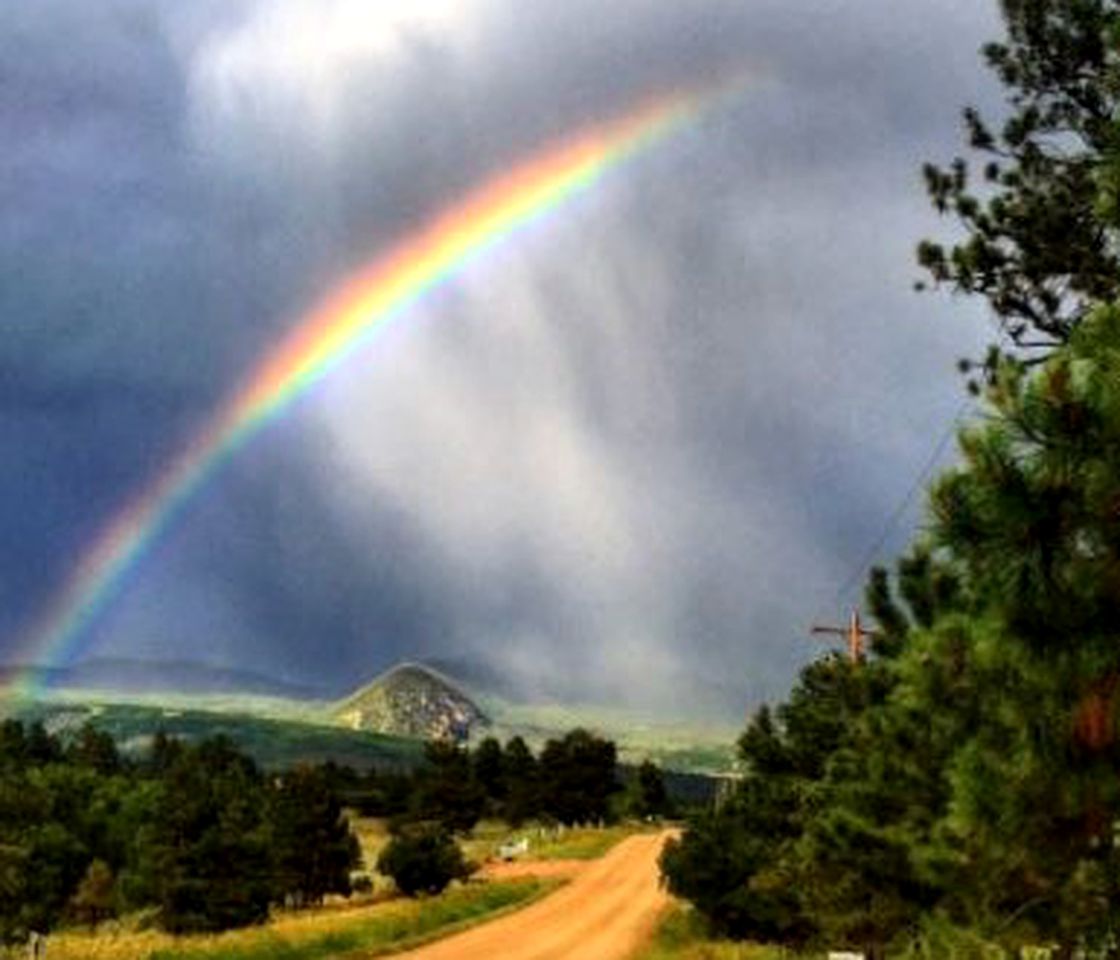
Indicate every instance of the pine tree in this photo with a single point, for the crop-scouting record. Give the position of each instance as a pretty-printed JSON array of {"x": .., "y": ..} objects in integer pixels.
[
  {"x": 522, "y": 783},
  {"x": 447, "y": 790},
  {"x": 95, "y": 749},
  {"x": 207, "y": 850},
  {"x": 1032, "y": 519},
  {"x": 649, "y": 798},
  {"x": 313, "y": 847},
  {"x": 1036, "y": 249},
  {"x": 739, "y": 864},
  {"x": 577, "y": 777},
  {"x": 490, "y": 772}
]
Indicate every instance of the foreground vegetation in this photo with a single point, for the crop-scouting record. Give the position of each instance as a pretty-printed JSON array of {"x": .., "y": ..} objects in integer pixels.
[
  {"x": 315, "y": 935},
  {"x": 194, "y": 832},
  {"x": 196, "y": 838},
  {"x": 956, "y": 792},
  {"x": 683, "y": 935}
]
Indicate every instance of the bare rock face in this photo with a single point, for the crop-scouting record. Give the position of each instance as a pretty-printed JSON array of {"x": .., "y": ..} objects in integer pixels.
[{"x": 411, "y": 700}]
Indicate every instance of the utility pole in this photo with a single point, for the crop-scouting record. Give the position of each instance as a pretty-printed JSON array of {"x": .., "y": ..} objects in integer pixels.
[{"x": 854, "y": 634}]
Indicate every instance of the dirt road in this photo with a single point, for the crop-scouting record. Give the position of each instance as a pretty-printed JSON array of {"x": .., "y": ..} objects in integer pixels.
[
  {"x": 605, "y": 913},
  {"x": 497, "y": 870}
]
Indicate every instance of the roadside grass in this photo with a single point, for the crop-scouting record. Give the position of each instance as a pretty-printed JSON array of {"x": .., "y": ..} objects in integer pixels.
[
  {"x": 363, "y": 931},
  {"x": 373, "y": 834},
  {"x": 483, "y": 842},
  {"x": 481, "y": 845},
  {"x": 580, "y": 843},
  {"x": 681, "y": 936}
]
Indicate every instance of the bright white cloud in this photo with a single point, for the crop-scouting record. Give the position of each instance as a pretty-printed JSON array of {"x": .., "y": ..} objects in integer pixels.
[
  {"x": 528, "y": 423},
  {"x": 477, "y": 425},
  {"x": 295, "y": 67}
]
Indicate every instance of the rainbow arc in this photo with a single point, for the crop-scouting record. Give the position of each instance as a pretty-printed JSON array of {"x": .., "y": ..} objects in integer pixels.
[{"x": 333, "y": 332}]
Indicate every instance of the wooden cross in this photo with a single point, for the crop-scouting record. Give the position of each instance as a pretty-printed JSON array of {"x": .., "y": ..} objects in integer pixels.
[{"x": 854, "y": 633}]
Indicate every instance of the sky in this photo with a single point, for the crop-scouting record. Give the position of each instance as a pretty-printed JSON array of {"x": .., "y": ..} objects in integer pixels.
[{"x": 630, "y": 455}]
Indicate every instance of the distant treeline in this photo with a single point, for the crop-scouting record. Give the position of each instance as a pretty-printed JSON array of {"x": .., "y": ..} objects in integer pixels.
[
  {"x": 574, "y": 779},
  {"x": 275, "y": 744}
]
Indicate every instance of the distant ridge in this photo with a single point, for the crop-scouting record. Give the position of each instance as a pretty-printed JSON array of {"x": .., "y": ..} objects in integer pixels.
[
  {"x": 124, "y": 675},
  {"x": 412, "y": 700}
]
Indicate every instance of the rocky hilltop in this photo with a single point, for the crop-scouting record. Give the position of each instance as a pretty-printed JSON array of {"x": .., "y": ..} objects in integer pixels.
[{"x": 411, "y": 700}]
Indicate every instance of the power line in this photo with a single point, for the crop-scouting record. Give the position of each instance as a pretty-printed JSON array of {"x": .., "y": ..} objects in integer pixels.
[{"x": 900, "y": 511}]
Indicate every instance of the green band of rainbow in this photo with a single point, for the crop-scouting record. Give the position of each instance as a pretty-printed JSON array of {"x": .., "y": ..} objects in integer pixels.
[{"x": 430, "y": 256}]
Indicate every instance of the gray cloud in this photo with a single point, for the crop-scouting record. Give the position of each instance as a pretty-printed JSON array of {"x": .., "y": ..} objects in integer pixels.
[{"x": 648, "y": 439}]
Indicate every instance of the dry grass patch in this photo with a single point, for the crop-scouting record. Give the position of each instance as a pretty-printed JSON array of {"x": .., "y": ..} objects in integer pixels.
[
  {"x": 481, "y": 845},
  {"x": 363, "y": 930}
]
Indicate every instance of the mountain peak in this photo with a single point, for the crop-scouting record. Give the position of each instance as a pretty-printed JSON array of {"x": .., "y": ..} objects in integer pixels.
[{"x": 412, "y": 700}]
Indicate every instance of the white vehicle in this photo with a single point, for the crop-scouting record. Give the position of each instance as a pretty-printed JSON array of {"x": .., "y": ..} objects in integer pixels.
[{"x": 509, "y": 851}]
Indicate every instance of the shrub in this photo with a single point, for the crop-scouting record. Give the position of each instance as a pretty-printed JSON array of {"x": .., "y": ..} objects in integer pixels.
[
  {"x": 423, "y": 859},
  {"x": 94, "y": 899}
]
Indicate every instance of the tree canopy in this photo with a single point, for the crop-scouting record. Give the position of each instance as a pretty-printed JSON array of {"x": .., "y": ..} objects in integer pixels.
[
  {"x": 195, "y": 831},
  {"x": 1035, "y": 247},
  {"x": 958, "y": 792}
]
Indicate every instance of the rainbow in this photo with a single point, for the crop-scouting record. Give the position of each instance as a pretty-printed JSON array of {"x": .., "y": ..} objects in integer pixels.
[{"x": 428, "y": 257}]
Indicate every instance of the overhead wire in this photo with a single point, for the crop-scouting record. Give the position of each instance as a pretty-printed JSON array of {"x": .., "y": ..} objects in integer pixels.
[{"x": 899, "y": 512}]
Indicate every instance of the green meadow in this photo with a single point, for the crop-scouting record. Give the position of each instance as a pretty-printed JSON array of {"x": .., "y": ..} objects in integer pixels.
[{"x": 279, "y": 732}]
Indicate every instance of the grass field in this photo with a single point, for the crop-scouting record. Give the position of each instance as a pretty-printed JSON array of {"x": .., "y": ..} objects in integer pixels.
[
  {"x": 373, "y": 834},
  {"x": 579, "y": 843},
  {"x": 338, "y": 932}
]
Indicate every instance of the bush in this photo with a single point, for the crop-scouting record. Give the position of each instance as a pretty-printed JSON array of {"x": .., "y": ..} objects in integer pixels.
[
  {"x": 423, "y": 859},
  {"x": 732, "y": 876},
  {"x": 94, "y": 899}
]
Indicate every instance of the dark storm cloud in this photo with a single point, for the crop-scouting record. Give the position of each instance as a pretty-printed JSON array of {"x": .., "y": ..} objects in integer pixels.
[
  {"x": 654, "y": 436},
  {"x": 87, "y": 174},
  {"x": 127, "y": 305}
]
